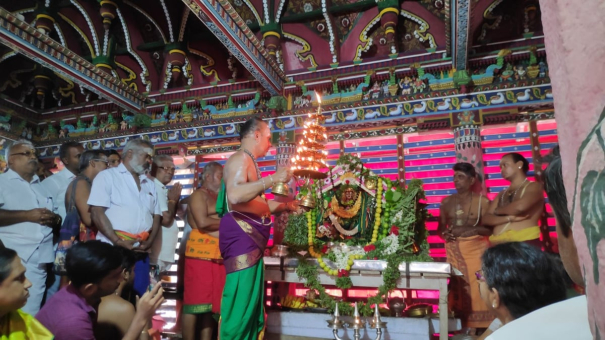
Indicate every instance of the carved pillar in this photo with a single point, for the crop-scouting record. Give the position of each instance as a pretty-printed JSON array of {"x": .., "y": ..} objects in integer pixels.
[
  {"x": 42, "y": 84},
  {"x": 536, "y": 156},
  {"x": 197, "y": 171},
  {"x": 106, "y": 61},
  {"x": 467, "y": 141},
  {"x": 108, "y": 12},
  {"x": 271, "y": 38},
  {"x": 45, "y": 17},
  {"x": 401, "y": 160},
  {"x": 389, "y": 17},
  {"x": 283, "y": 157},
  {"x": 175, "y": 61},
  {"x": 45, "y": 23}
]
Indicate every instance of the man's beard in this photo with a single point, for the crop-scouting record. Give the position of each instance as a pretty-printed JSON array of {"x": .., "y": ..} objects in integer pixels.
[{"x": 138, "y": 168}]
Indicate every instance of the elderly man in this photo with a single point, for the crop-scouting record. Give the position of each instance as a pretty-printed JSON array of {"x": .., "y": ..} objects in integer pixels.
[
  {"x": 164, "y": 247},
  {"x": 125, "y": 207},
  {"x": 244, "y": 232},
  {"x": 204, "y": 275},
  {"x": 27, "y": 218},
  {"x": 69, "y": 153}
]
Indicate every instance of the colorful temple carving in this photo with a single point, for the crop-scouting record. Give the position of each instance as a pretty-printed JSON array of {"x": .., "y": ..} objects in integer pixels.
[{"x": 409, "y": 87}]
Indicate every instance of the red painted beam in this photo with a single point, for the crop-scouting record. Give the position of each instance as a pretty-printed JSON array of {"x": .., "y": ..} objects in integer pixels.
[{"x": 224, "y": 22}]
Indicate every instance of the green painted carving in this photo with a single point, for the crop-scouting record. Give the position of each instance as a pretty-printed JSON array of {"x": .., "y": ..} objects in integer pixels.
[
  {"x": 185, "y": 110},
  {"x": 141, "y": 121},
  {"x": 277, "y": 103},
  {"x": 461, "y": 77}
]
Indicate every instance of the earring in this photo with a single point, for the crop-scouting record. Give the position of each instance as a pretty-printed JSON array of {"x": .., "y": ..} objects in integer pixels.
[
  {"x": 519, "y": 167},
  {"x": 494, "y": 305}
]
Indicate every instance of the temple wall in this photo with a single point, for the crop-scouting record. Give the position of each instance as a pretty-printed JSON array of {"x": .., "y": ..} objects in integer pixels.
[{"x": 576, "y": 53}]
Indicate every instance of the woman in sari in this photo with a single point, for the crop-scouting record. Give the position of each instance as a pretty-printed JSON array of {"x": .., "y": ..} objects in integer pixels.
[{"x": 14, "y": 323}]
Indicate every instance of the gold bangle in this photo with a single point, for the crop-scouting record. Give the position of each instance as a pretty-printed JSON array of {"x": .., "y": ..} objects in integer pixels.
[
  {"x": 171, "y": 201},
  {"x": 264, "y": 187}
]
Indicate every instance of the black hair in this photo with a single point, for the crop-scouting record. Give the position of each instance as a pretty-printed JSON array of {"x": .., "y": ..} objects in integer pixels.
[
  {"x": 555, "y": 190},
  {"x": 128, "y": 258},
  {"x": 249, "y": 127},
  {"x": 526, "y": 278},
  {"x": 467, "y": 168},
  {"x": 7, "y": 256},
  {"x": 517, "y": 157},
  {"x": 66, "y": 146},
  {"x": 90, "y": 262},
  {"x": 113, "y": 152},
  {"x": 88, "y": 156}
]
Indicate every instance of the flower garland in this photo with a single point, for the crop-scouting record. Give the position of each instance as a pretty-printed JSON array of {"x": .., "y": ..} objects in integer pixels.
[{"x": 395, "y": 238}]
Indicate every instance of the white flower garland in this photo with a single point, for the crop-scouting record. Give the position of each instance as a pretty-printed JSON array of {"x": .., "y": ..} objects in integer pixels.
[
  {"x": 343, "y": 255},
  {"x": 391, "y": 243}
]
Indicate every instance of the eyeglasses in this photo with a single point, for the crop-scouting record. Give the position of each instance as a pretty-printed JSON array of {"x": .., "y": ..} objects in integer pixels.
[
  {"x": 26, "y": 154},
  {"x": 101, "y": 160},
  {"x": 167, "y": 169},
  {"x": 479, "y": 275}
]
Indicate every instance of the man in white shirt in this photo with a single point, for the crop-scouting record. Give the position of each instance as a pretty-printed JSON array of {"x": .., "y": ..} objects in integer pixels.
[
  {"x": 566, "y": 319},
  {"x": 56, "y": 185},
  {"x": 125, "y": 207},
  {"x": 27, "y": 218},
  {"x": 164, "y": 248}
]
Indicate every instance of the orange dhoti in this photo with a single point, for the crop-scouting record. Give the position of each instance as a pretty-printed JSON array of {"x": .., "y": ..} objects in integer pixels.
[
  {"x": 465, "y": 255},
  {"x": 204, "y": 275}
]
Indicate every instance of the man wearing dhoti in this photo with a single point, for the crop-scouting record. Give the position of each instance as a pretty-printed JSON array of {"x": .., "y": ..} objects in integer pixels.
[
  {"x": 466, "y": 240},
  {"x": 244, "y": 232}
]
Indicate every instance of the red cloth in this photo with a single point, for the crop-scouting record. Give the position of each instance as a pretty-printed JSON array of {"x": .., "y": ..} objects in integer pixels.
[{"x": 204, "y": 281}]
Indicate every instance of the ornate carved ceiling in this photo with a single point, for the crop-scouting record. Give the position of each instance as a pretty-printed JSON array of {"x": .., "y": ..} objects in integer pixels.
[{"x": 152, "y": 46}]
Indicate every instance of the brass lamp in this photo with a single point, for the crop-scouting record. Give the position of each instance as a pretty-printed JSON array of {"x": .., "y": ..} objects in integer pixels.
[
  {"x": 280, "y": 189},
  {"x": 308, "y": 201}
]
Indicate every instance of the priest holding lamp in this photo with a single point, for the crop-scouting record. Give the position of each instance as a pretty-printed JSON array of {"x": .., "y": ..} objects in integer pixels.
[{"x": 244, "y": 232}]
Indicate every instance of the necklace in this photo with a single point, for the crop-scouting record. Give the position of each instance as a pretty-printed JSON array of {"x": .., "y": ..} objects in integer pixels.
[
  {"x": 460, "y": 212},
  {"x": 258, "y": 174},
  {"x": 254, "y": 161},
  {"x": 511, "y": 197}
]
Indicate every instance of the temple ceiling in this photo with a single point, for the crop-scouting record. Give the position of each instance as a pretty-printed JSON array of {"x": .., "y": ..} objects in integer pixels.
[{"x": 154, "y": 46}]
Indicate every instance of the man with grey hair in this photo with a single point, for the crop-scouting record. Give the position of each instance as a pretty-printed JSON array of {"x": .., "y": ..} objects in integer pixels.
[
  {"x": 27, "y": 218},
  {"x": 204, "y": 272},
  {"x": 124, "y": 206},
  {"x": 164, "y": 247}
]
